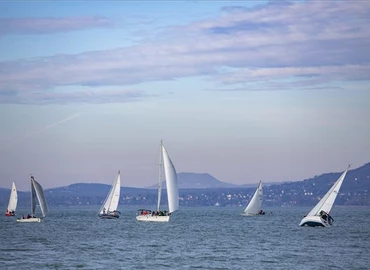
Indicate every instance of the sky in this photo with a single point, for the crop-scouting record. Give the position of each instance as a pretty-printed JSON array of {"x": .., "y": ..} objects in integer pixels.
[{"x": 242, "y": 90}]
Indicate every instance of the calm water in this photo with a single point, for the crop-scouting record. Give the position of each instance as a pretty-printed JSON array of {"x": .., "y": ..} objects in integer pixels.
[{"x": 195, "y": 238}]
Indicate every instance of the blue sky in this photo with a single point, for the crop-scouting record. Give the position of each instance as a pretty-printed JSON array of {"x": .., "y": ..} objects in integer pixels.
[{"x": 245, "y": 91}]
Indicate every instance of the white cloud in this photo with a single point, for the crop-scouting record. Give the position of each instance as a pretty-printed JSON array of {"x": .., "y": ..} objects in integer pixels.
[{"x": 325, "y": 40}]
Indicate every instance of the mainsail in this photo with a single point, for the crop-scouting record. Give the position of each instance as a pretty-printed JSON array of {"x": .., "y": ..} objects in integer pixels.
[
  {"x": 112, "y": 200},
  {"x": 13, "y": 200},
  {"x": 171, "y": 182},
  {"x": 255, "y": 204},
  {"x": 38, "y": 192},
  {"x": 326, "y": 203}
]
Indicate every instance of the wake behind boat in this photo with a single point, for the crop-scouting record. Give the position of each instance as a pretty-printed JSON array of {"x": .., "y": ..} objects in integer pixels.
[
  {"x": 254, "y": 206},
  {"x": 37, "y": 193},
  {"x": 109, "y": 207},
  {"x": 319, "y": 216},
  {"x": 167, "y": 172},
  {"x": 13, "y": 200}
]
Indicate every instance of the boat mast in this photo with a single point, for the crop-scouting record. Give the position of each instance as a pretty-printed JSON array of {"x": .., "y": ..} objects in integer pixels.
[{"x": 160, "y": 176}]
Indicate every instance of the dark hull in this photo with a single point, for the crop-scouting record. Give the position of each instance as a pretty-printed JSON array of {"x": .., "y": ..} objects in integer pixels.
[
  {"x": 106, "y": 216},
  {"x": 313, "y": 224}
]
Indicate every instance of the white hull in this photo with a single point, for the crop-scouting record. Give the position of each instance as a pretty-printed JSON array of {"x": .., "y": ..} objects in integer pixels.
[
  {"x": 314, "y": 221},
  {"x": 29, "y": 220},
  {"x": 150, "y": 218}
]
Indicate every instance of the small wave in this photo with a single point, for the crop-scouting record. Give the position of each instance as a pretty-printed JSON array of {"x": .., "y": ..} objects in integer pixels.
[{"x": 15, "y": 249}]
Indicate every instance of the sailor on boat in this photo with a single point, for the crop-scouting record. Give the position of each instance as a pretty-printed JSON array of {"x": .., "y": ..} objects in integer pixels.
[{"x": 326, "y": 217}]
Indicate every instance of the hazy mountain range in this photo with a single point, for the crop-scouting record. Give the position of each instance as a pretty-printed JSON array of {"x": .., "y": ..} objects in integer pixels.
[{"x": 204, "y": 189}]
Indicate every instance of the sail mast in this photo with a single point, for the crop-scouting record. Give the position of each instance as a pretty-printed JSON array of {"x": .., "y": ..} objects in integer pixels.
[{"x": 160, "y": 176}]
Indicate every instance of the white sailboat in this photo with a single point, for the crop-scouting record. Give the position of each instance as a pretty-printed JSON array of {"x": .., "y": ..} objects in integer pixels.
[
  {"x": 109, "y": 207},
  {"x": 37, "y": 193},
  {"x": 319, "y": 216},
  {"x": 167, "y": 172},
  {"x": 254, "y": 206},
  {"x": 13, "y": 200}
]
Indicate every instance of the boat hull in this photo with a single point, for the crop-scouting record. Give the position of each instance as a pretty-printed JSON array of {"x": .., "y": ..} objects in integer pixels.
[
  {"x": 314, "y": 221},
  {"x": 150, "y": 218},
  {"x": 107, "y": 216},
  {"x": 250, "y": 215},
  {"x": 28, "y": 220},
  {"x": 9, "y": 215}
]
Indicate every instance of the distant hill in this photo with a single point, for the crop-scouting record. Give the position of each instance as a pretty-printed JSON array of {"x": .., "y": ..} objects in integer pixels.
[
  {"x": 198, "y": 180},
  {"x": 357, "y": 180},
  {"x": 198, "y": 189},
  {"x": 355, "y": 189}
]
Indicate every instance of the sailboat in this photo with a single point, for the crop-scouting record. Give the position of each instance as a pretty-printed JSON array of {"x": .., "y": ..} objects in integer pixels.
[
  {"x": 319, "y": 216},
  {"x": 109, "y": 207},
  {"x": 13, "y": 200},
  {"x": 167, "y": 172},
  {"x": 254, "y": 206},
  {"x": 37, "y": 193}
]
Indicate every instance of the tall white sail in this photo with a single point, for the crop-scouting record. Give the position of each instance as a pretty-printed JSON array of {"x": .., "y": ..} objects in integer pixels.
[
  {"x": 171, "y": 182},
  {"x": 326, "y": 203},
  {"x": 255, "y": 204},
  {"x": 112, "y": 200},
  {"x": 38, "y": 192},
  {"x": 13, "y": 199}
]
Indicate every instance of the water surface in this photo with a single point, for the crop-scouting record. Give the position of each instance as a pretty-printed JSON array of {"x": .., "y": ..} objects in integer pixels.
[{"x": 195, "y": 238}]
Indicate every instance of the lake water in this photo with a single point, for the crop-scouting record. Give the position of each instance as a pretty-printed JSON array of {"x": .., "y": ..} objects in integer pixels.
[{"x": 195, "y": 238}]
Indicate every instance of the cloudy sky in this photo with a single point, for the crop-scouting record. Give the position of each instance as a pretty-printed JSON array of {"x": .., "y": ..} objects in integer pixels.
[{"x": 243, "y": 90}]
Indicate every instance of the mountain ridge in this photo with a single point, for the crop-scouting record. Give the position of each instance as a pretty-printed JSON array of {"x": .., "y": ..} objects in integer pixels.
[{"x": 354, "y": 191}]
